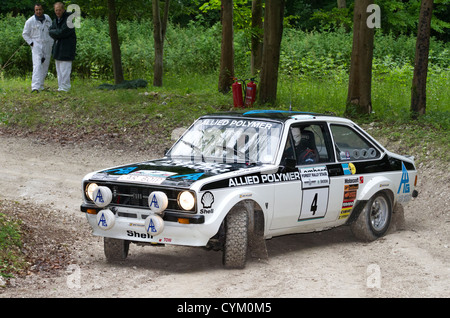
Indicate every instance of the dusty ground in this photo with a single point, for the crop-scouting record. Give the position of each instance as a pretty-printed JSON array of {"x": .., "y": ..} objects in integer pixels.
[{"x": 40, "y": 181}]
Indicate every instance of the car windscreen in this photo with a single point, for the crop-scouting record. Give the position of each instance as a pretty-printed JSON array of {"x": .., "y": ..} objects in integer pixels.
[{"x": 228, "y": 140}]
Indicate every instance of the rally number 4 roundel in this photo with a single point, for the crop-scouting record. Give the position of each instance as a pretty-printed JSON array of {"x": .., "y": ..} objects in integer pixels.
[{"x": 314, "y": 203}]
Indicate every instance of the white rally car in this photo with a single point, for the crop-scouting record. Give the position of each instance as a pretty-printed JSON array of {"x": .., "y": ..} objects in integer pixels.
[{"x": 235, "y": 179}]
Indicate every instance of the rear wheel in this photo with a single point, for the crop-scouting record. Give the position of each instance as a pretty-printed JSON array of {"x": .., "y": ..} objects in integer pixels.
[
  {"x": 373, "y": 221},
  {"x": 115, "y": 249},
  {"x": 236, "y": 239}
]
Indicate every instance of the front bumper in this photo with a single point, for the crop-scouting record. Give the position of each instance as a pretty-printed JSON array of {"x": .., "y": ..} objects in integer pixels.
[
  {"x": 129, "y": 224},
  {"x": 168, "y": 215}
]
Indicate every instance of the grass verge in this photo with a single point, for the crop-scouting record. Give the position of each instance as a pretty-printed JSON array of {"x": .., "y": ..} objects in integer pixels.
[
  {"x": 149, "y": 115},
  {"x": 12, "y": 259}
]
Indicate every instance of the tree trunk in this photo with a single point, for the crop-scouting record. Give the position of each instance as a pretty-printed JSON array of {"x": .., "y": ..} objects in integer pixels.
[
  {"x": 257, "y": 33},
  {"x": 419, "y": 83},
  {"x": 341, "y": 4},
  {"x": 159, "y": 33},
  {"x": 359, "y": 100},
  {"x": 273, "y": 32},
  {"x": 226, "y": 72},
  {"x": 115, "y": 46}
]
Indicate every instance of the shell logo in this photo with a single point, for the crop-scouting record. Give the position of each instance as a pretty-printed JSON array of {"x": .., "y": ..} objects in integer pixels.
[{"x": 207, "y": 200}]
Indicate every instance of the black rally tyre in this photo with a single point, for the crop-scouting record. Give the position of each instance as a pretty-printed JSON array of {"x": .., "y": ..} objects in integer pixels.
[
  {"x": 236, "y": 239},
  {"x": 115, "y": 249},
  {"x": 375, "y": 218}
]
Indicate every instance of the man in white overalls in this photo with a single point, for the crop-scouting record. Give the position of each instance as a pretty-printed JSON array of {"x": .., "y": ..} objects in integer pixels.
[{"x": 35, "y": 33}]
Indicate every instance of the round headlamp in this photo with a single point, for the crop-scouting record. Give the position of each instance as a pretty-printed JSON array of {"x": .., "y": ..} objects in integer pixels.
[
  {"x": 186, "y": 200},
  {"x": 90, "y": 188}
]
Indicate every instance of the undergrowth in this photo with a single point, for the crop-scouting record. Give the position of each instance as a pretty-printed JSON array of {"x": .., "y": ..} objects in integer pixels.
[{"x": 12, "y": 260}]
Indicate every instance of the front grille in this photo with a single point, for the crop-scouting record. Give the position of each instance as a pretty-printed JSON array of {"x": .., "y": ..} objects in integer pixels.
[{"x": 136, "y": 196}]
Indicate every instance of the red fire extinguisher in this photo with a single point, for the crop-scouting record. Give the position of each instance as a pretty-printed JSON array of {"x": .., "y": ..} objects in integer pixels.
[
  {"x": 250, "y": 94},
  {"x": 236, "y": 88}
]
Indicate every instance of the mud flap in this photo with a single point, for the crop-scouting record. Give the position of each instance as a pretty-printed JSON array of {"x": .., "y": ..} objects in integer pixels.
[
  {"x": 256, "y": 241},
  {"x": 398, "y": 219},
  {"x": 257, "y": 247}
]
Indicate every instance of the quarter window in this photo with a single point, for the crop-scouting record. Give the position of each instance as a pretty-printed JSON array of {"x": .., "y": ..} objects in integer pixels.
[{"x": 352, "y": 146}]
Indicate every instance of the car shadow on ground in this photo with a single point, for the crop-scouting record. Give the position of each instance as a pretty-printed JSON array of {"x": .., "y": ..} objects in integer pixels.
[{"x": 181, "y": 259}]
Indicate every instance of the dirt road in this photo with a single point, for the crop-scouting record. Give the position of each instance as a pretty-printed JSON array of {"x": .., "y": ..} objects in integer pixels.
[{"x": 411, "y": 261}]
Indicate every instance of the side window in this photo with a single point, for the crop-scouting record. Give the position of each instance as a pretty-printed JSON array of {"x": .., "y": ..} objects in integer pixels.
[
  {"x": 308, "y": 144},
  {"x": 352, "y": 146}
]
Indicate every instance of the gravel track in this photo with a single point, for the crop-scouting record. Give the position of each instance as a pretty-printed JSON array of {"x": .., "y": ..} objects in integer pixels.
[{"x": 41, "y": 183}]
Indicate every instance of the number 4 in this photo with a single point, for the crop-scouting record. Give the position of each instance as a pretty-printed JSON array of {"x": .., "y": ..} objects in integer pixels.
[{"x": 314, "y": 204}]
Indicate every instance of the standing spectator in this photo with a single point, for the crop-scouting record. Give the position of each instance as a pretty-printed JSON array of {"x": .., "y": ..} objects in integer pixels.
[
  {"x": 64, "y": 47},
  {"x": 36, "y": 34}
]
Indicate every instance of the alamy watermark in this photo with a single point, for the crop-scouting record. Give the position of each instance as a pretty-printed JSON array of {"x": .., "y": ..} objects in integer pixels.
[
  {"x": 374, "y": 19},
  {"x": 74, "y": 20},
  {"x": 373, "y": 273},
  {"x": 74, "y": 279}
]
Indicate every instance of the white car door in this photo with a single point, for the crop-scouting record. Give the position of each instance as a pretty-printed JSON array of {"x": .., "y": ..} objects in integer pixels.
[{"x": 308, "y": 150}]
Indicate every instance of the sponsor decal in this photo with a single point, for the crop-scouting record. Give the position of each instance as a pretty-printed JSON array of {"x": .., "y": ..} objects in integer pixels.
[
  {"x": 151, "y": 227},
  {"x": 99, "y": 197},
  {"x": 404, "y": 182},
  {"x": 351, "y": 187},
  {"x": 125, "y": 170},
  {"x": 154, "y": 202},
  {"x": 207, "y": 200},
  {"x": 263, "y": 178},
  {"x": 131, "y": 233},
  {"x": 147, "y": 176},
  {"x": 237, "y": 123},
  {"x": 349, "y": 168},
  {"x": 314, "y": 177},
  {"x": 351, "y": 180},
  {"x": 350, "y": 193},
  {"x": 102, "y": 222},
  {"x": 131, "y": 224},
  {"x": 347, "y": 207},
  {"x": 192, "y": 176},
  {"x": 404, "y": 189}
]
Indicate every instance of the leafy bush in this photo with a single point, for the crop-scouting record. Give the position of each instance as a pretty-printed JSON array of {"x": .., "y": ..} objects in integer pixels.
[
  {"x": 11, "y": 41},
  {"x": 196, "y": 49}
]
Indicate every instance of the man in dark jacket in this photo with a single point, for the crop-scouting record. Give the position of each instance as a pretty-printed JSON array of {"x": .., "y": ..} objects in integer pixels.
[{"x": 64, "y": 47}]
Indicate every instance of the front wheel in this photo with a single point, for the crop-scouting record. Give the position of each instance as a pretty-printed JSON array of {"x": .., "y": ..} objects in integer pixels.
[
  {"x": 236, "y": 239},
  {"x": 373, "y": 221},
  {"x": 115, "y": 249}
]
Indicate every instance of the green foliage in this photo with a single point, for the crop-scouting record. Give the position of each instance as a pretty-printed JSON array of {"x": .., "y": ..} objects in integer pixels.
[
  {"x": 242, "y": 11},
  {"x": 11, "y": 41},
  {"x": 333, "y": 19},
  {"x": 315, "y": 64},
  {"x": 315, "y": 54},
  {"x": 196, "y": 48},
  {"x": 12, "y": 259}
]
